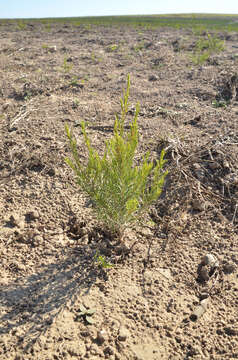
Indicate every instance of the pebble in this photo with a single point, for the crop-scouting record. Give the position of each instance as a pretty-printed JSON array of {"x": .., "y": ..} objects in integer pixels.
[
  {"x": 94, "y": 350},
  {"x": 123, "y": 333},
  {"x": 109, "y": 350},
  {"x": 38, "y": 240},
  {"x": 214, "y": 165},
  {"x": 229, "y": 268},
  {"x": 32, "y": 215},
  {"x": 153, "y": 78},
  {"x": 210, "y": 260},
  {"x": 204, "y": 274},
  {"x": 52, "y": 48},
  {"x": 198, "y": 205},
  {"x": 15, "y": 219},
  {"x": 21, "y": 224},
  {"x": 101, "y": 337},
  {"x": 231, "y": 331}
]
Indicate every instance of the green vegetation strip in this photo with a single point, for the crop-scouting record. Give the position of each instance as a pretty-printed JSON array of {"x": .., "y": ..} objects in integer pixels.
[{"x": 195, "y": 21}]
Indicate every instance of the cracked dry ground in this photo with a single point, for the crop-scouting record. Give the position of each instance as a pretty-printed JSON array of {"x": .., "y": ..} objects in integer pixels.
[{"x": 48, "y": 234}]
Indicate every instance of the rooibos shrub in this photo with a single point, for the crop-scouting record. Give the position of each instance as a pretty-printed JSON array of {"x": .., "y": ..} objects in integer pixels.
[{"x": 120, "y": 190}]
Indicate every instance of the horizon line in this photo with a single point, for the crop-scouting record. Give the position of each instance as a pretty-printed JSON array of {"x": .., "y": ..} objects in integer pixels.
[{"x": 98, "y": 16}]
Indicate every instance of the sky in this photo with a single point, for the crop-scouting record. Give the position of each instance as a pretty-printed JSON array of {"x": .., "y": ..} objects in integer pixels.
[{"x": 62, "y": 8}]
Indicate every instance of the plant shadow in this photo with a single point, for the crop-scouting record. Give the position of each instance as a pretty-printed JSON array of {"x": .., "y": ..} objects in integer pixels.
[{"x": 30, "y": 304}]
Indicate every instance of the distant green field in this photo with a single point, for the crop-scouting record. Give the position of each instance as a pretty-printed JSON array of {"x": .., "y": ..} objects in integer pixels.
[{"x": 195, "y": 21}]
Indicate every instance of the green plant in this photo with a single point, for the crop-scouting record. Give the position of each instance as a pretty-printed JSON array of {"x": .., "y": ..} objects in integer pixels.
[
  {"x": 21, "y": 25},
  {"x": 74, "y": 81},
  {"x": 112, "y": 47},
  {"x": 95, "y": 59},
  {"x": 211, "y": 44},
  {"x": 205, "y": 48},
  {"x": 220, "y": 103},
  {"x": 102, "y": 261},
  {"x": 66, "y": 65},
  {"x": 86, "y": 314},
  {"x": 48, "y": 27},
  {"x": 75, "y": 103},
  {"x": 28, "y": 95},
  {"x": 199, "y": 59},
  {"x": 120, "y": 190},
  {"x": 139, "y": 46}
]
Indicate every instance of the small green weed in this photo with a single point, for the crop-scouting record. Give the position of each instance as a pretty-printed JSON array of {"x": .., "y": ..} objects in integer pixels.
[
  {"x": 86, "y": 314},
  {"x": 220, "y": 103},
  {"x": 21, "y": 25},
  {"x": 101, "y": 261},
  {"x": 48, "y": 27},
  {"x": 112, "y": 47},
  {"x": 120, "y": 190},
  {"x": 205, "y": 48},
  {"x": 28, "y": 95},
  {"x": 74, "y": 81},
  {"x": 95, "y": 58},
  {"x": 66, "y": 67},
  {"x": 87, "y": 26},
  {"x": 139, "y": 46},
  {"x": 75, "y": 103}
]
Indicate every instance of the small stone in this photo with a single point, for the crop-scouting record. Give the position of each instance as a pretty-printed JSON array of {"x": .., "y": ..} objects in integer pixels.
[
  {"x": 52, "y": 48},
  {"x": 229, "y": 268},
  {"x": 178, "y": 339},
  {"x": 196, "y": 166},
  {"x": 214, "y": 165},
  {"x": 37, "y": 240},
  {"x": 122, "y": 249},
  {"x": 231, "y": 331},
  {"x": 108, "y": 350},
  {"x": 123, "y": 333},
  {"x": 226, "y": 164},
  {"x": 198, "y": 205},
  {"x": 21, "y": 267},
  {"x": 15, "y": 219},
  {"x": 153, "y": 78},
  {"x": 21, "y": 224},
  {"x": 75, "y": 349},
  {"x": 101, "y": 337},
  {"x": 203, "y": 274},
  {"x": 94, "y": 350},
  {"x": 210, "y": 260},
  {"x": 117, "y": 356},
  {"x": 32, "y": 215},
  {"x": 203, "y": 296}
]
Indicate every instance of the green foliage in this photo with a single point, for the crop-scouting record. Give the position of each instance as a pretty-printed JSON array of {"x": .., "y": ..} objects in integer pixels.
[
  {"x": 86, "y": 314},
  {"x": 75, "y": 103},
  {"x": 120, "y": 190},
  {"x": 220, "y": 103},
  {"x": 66, "y": 67},
  {"x": 198, "y": 22},
  {"x": 205, "y": 48},
  {"x": 48, "y": 27},
  {"x": 139, "y": 46},
  {"x": 211, "y": 44},
  {"x": 74, "y": 81},
  {"x": 102, "y": 261},
  {"x": 95, "y": 58},
  {"x": 112, "y": 47},
  {"x": 21, "y": 25}
]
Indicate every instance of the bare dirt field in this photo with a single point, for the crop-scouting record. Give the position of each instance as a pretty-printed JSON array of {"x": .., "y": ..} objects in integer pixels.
[{"x": 147, "y": 304}]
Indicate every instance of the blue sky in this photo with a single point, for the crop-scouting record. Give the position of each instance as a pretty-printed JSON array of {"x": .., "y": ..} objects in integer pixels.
[{"x": 61, "y": 8}]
